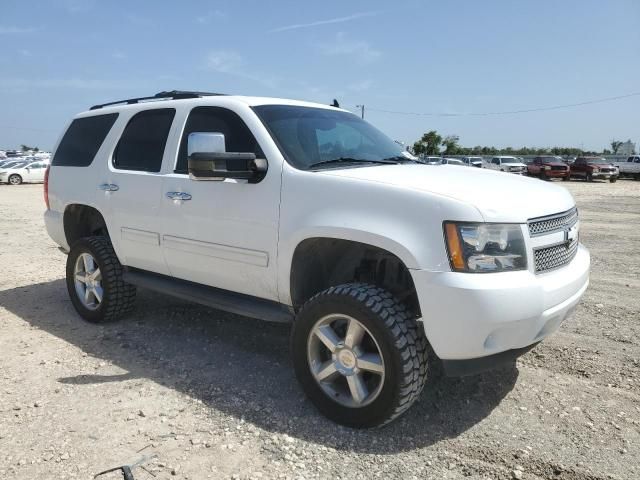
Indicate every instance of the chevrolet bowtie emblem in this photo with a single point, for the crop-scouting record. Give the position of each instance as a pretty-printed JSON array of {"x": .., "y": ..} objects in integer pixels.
[{"x": 571, "y": 234}]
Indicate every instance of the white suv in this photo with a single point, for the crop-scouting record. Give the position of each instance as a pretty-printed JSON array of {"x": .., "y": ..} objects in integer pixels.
[
  {"x": 507, "y": 164},
  {"x": 303, "y": 213}
]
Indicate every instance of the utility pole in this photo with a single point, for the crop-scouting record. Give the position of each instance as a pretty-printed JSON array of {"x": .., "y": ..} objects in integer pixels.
[{"x": 361, "y": 107}]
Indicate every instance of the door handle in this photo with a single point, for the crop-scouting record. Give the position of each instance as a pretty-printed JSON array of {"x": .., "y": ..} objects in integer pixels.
[
  {"x": 178, "y": 196},
  {"x": 109, "y": 187}
]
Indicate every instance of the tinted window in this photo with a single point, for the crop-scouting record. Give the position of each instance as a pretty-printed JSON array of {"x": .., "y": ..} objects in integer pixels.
[
  {"x": 82, "y": 140},
  {"x": 237, "y": 136},
  {"x": 141, "y": 146},
  {"x": 496, "y": 161}
]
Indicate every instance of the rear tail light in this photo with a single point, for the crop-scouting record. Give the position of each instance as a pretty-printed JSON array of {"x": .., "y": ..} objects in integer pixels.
[{"x": 46, "y": 187}]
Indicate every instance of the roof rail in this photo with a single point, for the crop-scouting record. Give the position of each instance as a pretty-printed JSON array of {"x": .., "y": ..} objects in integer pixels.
[{"x": 170, "y": 95}]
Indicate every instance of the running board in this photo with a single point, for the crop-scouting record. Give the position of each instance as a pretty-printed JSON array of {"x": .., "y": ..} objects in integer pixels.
[{"x": 217, "y": 298}]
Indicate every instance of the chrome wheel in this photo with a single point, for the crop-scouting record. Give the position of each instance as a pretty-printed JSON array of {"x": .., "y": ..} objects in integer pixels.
[
  {"x": 88, "y": 281},
  {"x": 345, "y": 360}
]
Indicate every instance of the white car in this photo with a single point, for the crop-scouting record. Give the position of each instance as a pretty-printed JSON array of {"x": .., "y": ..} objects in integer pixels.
[
  {"x": 452, "y": 161},
  {"x": 509, "y": 164},
  {"x": 23, "y": 172},
  {"x": 473, "y": 161},
  {"x": 302, "y": 213}
]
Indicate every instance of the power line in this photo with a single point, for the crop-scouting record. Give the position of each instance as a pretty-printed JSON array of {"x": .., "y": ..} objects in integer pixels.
[{"x": 508, "y": 112}]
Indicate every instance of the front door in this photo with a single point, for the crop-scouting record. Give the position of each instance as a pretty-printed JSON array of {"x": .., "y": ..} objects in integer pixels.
[{"x": 222, "y": 233}]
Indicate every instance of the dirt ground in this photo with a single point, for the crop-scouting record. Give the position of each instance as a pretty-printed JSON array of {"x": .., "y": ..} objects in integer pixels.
[{"x": 213, "y": 395}]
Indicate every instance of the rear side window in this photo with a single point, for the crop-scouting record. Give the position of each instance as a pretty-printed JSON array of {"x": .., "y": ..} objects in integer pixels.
[
  {"x": 237, "y": 136},
  {"x": 142, "y": 143},
  {"x": 82, "y": 140}
]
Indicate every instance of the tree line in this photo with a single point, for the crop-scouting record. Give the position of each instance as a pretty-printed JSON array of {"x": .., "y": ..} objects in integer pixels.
[{"x": 432, "y": 143}]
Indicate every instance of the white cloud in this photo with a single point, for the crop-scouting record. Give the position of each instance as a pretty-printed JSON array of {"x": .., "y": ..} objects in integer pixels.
[
  {"x": 362, "y": 51},
  {"x": 318, "y": 23},
  {"x": 119, "y": 55},
  {"x": 16, "y": 30},
  {"x": 232, "y": 63},
  {"x": 225, "y": 61},
  {"x": 76, "y": 6},
  {"x": 76, "y": 83},
  {"x": 211, "y": 16}
]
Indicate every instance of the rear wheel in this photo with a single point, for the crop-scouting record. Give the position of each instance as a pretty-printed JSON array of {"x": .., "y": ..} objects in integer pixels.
[
  {"x": 94, "y": 281},
  {"x": 15, "y": 179},
  {"x": 360, "y": 358}
]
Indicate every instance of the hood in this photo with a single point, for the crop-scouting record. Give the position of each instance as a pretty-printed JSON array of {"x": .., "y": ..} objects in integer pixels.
[
  {"x": 555, "y": 164},
  {"x": 513, "y": 164},
  {"x": 498, "y": 196}
]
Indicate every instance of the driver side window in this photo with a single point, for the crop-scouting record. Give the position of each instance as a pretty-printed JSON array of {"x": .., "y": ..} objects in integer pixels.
[{"x": 238, "y": 138}]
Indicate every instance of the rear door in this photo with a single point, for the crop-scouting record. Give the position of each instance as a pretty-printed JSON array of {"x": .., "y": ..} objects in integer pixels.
[
  {"x": 222, "y": 233},
  {"x": 130, "y": 188},
  {"x": 36, "y": 172}
]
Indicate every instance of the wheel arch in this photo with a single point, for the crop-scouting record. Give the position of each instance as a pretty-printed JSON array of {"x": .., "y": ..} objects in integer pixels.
[
  {"x": 80, "y": 220},
  {"x": 318, "y": 262}
]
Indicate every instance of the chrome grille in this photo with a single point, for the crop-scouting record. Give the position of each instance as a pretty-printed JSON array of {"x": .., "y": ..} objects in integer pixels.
[
  {"x": 549, "y": 258},
  {"x": 552, "y": 223}
]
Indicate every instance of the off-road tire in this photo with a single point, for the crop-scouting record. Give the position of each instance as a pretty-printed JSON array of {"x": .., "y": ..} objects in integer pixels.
[
  {"x": 14, "y": 179},
  {"x": 402, "y": 343},
  {"x": 118, "y": 296}
]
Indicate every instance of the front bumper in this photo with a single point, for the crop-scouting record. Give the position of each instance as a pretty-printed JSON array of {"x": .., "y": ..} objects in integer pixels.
[
  {"x": 468, "y": 316},
  {"x": 605, "y": 175},
  {"x": 556, "y": 173}
]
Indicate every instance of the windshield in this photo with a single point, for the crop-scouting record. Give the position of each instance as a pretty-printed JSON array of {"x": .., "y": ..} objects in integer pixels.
[
  {"x": 17, "y": 165},
  {"x": 307, "y": 136},
  {"x": 599, "y": 161}
]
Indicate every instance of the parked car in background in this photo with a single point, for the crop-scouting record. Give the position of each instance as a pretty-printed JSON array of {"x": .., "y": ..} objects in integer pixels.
[
  {"x": 24, "y": 172},
  {"x": 431, "y": 160},
  {"x": 592, "y": 168},
  {"x": 473, "y": 161},
  {"x": 630, "y": 168},
  {"x": 452, "y": 161},
  {"x": 505, "y": 163},
  {"x": 548, "y": 167}
]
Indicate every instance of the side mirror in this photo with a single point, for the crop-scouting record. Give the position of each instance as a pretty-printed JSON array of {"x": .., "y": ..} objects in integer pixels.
[{"x": 208, "y": 160}]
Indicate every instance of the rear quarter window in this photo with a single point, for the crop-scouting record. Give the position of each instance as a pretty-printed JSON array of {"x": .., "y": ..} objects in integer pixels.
[{"x": 82, "y": 140}]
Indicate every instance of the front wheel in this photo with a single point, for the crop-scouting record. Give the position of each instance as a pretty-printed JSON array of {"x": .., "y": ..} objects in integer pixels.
[
  {"x": 589, "y": 177},
  {"x": 613, "y": 179},
  {"x": 566, "y": 179},
  {"x": 94, "y": 281},
  {"x": 360, "y": 358},
  {"x": 15, "y": 179}
]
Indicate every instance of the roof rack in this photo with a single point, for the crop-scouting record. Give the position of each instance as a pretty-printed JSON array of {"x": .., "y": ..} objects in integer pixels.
[{"x": 171, "y": 95}]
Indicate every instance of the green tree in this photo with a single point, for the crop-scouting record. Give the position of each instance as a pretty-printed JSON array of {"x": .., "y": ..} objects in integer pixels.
[
  {"x": 450, "y": 143},
  {"x": 26, "y": 148},
  {"x": 429, "y": 144},
  {"x": 615, "y": 146}
]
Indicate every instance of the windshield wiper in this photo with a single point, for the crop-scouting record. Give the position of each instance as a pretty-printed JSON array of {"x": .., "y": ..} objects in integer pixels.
[
  {"x": 403, "y": 159},
  {"x": 352, "y": 161}
]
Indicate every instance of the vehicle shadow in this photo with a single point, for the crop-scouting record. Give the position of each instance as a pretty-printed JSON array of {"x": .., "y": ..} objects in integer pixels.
[{"x": 241, "y": 367}]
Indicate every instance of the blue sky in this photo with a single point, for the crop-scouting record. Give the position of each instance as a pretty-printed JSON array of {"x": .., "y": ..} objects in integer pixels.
[{"x": 59, "y": 57}]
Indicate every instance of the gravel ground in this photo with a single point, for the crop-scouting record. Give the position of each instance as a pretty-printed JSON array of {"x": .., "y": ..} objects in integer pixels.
[{"x": 212, "y": 395}]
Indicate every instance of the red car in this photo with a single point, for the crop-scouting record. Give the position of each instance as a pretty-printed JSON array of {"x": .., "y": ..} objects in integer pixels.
[
  {"x": 591, "y": 168},
  {"x": 549, "y": 167}
]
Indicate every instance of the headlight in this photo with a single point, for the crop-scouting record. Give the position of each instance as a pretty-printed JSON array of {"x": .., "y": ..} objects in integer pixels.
[
  {"x": 485, "y": 247},
  {"x": 547, "y": 167}
]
